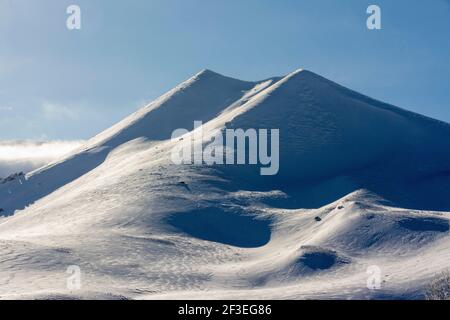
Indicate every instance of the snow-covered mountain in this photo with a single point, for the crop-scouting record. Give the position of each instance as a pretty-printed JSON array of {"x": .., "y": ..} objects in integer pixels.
[{"x": 362, "y": 186}]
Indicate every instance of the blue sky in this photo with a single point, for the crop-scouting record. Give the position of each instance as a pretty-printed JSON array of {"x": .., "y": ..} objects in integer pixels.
[{"x": 62, "y": 84}]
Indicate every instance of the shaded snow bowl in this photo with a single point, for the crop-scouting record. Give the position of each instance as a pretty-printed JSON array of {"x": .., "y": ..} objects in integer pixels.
[
  {"x": 425, "y": 224},
  {"x": 217, "y": 225},
  {"x": 318, "y": 260}
]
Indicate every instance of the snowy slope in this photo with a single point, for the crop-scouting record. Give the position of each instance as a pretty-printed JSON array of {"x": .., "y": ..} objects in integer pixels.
[{"x": 357, "y": 185}]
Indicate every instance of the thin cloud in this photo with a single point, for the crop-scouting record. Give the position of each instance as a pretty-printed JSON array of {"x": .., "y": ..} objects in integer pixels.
[
  {"x": 53, "y": 111},
  {"x": 17, "y": 156}
]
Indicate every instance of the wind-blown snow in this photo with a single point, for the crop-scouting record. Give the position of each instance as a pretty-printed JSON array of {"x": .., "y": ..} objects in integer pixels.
[
  {"x": 24, "y": 155},
  {"x": 361, "y": 183}
]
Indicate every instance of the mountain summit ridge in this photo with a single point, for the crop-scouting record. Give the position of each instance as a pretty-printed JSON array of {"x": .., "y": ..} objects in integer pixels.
[
  {"x": 361, "y": 183},
  {"x": 318, "y": 120}
]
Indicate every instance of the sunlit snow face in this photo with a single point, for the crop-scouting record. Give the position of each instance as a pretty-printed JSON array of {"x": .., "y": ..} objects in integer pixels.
[
  {"x": 16, "y": 156},
  {"x": 227, "y": 147}
]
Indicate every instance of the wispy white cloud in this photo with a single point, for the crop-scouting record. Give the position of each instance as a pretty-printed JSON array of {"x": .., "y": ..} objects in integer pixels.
[
  {"x": 24, "y": 155},
  {"x": 54, "y": 111}
]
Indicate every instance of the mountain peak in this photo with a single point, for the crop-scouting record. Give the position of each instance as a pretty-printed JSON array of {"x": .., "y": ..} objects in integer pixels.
[
  {"x": 356, "y": 181},
  {"x": 208, "y": 75},
  {"x": 297, "y": 71},
  {"x": 207, "y": 71}
]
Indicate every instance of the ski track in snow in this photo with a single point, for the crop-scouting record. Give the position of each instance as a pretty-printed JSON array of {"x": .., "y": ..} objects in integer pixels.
[{"x": 361, "y": 183}]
